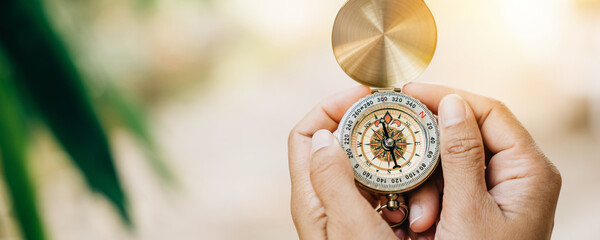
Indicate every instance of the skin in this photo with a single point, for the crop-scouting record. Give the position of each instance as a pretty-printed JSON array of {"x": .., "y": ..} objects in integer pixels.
[{"x": 514, "y": 196}]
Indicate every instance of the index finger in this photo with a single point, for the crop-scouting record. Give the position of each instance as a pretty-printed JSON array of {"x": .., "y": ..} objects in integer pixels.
[
  {"x": 326, "y": 115},
  {"x": 500, "y": 129},
  {"x": 306, "y": 207}
]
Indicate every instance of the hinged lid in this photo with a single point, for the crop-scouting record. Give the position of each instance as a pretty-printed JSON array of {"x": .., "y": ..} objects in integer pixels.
[{"x": 384, "y": 43}]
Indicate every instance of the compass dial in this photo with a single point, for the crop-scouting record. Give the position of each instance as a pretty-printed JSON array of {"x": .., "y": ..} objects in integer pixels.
[{"x": 391, "y": 140}]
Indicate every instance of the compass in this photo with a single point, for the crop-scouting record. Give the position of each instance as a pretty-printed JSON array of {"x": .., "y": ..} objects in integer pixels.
[
  {"x": 391, "y": 141},
  {"x": 390, "y": 138}
]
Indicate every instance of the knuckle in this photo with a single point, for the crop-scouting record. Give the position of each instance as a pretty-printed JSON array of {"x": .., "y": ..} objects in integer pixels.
[
  {"x": 553, "y": 176},
  {"x": 296, "y": 136},
  {"x": 293, "y": 134},
  {"x": 557, "y": 180},
  {"x": 304, "y": 215},
  {"x": 464, "y": 147},
  {"x": 558, "y": 177},
  {"x": 497, "y": 106},
  {"x": 547, "y": 170},
  {"x": 323, "y": 163},
  {"x": 327, "y": 169},
  {"x": 495, "y": 103},
  {"x": 463, "y": 153}
]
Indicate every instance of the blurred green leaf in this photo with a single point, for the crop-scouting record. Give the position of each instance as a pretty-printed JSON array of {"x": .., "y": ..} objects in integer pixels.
[
  {"x": 49, "y": 76},
  {"x": 134, "y": 118},
  {"x": 13, "y": 155}
]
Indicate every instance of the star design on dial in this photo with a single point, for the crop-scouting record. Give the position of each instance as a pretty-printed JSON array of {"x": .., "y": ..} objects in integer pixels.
[{"x": 390, "y": 141}]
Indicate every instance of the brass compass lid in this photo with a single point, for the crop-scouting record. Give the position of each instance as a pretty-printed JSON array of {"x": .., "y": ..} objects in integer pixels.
[{"x": 384, "y": 43}]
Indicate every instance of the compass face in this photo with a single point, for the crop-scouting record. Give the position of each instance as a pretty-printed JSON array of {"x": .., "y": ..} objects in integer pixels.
[{"x": 391, "y": 140}]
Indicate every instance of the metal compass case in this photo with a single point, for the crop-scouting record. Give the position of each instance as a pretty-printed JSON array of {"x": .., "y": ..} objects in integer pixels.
[{"x": 390, "y": 138}]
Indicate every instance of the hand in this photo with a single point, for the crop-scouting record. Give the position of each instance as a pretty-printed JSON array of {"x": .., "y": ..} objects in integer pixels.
[
  {"x": 513, "y": 198},
  {"x": 517, "y": 200},
  {"x": 326, "y": 204}
]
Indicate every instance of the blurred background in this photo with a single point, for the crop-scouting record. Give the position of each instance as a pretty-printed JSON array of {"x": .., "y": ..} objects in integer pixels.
[{"x": 214, "y": 87}]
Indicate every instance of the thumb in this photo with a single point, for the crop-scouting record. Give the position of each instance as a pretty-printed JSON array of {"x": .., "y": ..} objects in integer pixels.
[
  {"x": 463, "y": 157},
  {"x": 333, "y": 181}
]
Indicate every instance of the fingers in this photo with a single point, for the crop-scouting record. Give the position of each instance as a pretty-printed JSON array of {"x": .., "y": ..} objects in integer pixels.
[
  {"x": 499, "y": 127},
  {"x": 462, "y": 154},
  {"x": 306, "y": 208},
  {"x": 429, "y": 234},
  {"x": 370, "y": 197},
  {"x": 400, "y": 233},
  {"x": 330, "y": 111},
  {"x": 424, "y": 207},
  {"x": 333, "y": 181},
  {"x": 325, "y": 116},
  {"x": 501, "y": 132}
]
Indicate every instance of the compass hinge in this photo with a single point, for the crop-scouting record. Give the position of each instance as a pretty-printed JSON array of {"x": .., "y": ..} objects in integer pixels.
[{"x": 374, "y": 90}]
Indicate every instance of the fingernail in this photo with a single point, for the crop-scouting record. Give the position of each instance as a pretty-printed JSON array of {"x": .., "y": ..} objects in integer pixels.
[
  {"x": 416, "y": 213},
  {"x": 452, "y": 110},
  {"x": 322, "y": 138}
]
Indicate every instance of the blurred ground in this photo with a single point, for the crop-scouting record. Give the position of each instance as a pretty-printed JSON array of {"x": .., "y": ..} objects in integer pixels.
[{"x": 225, "y": 81}]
